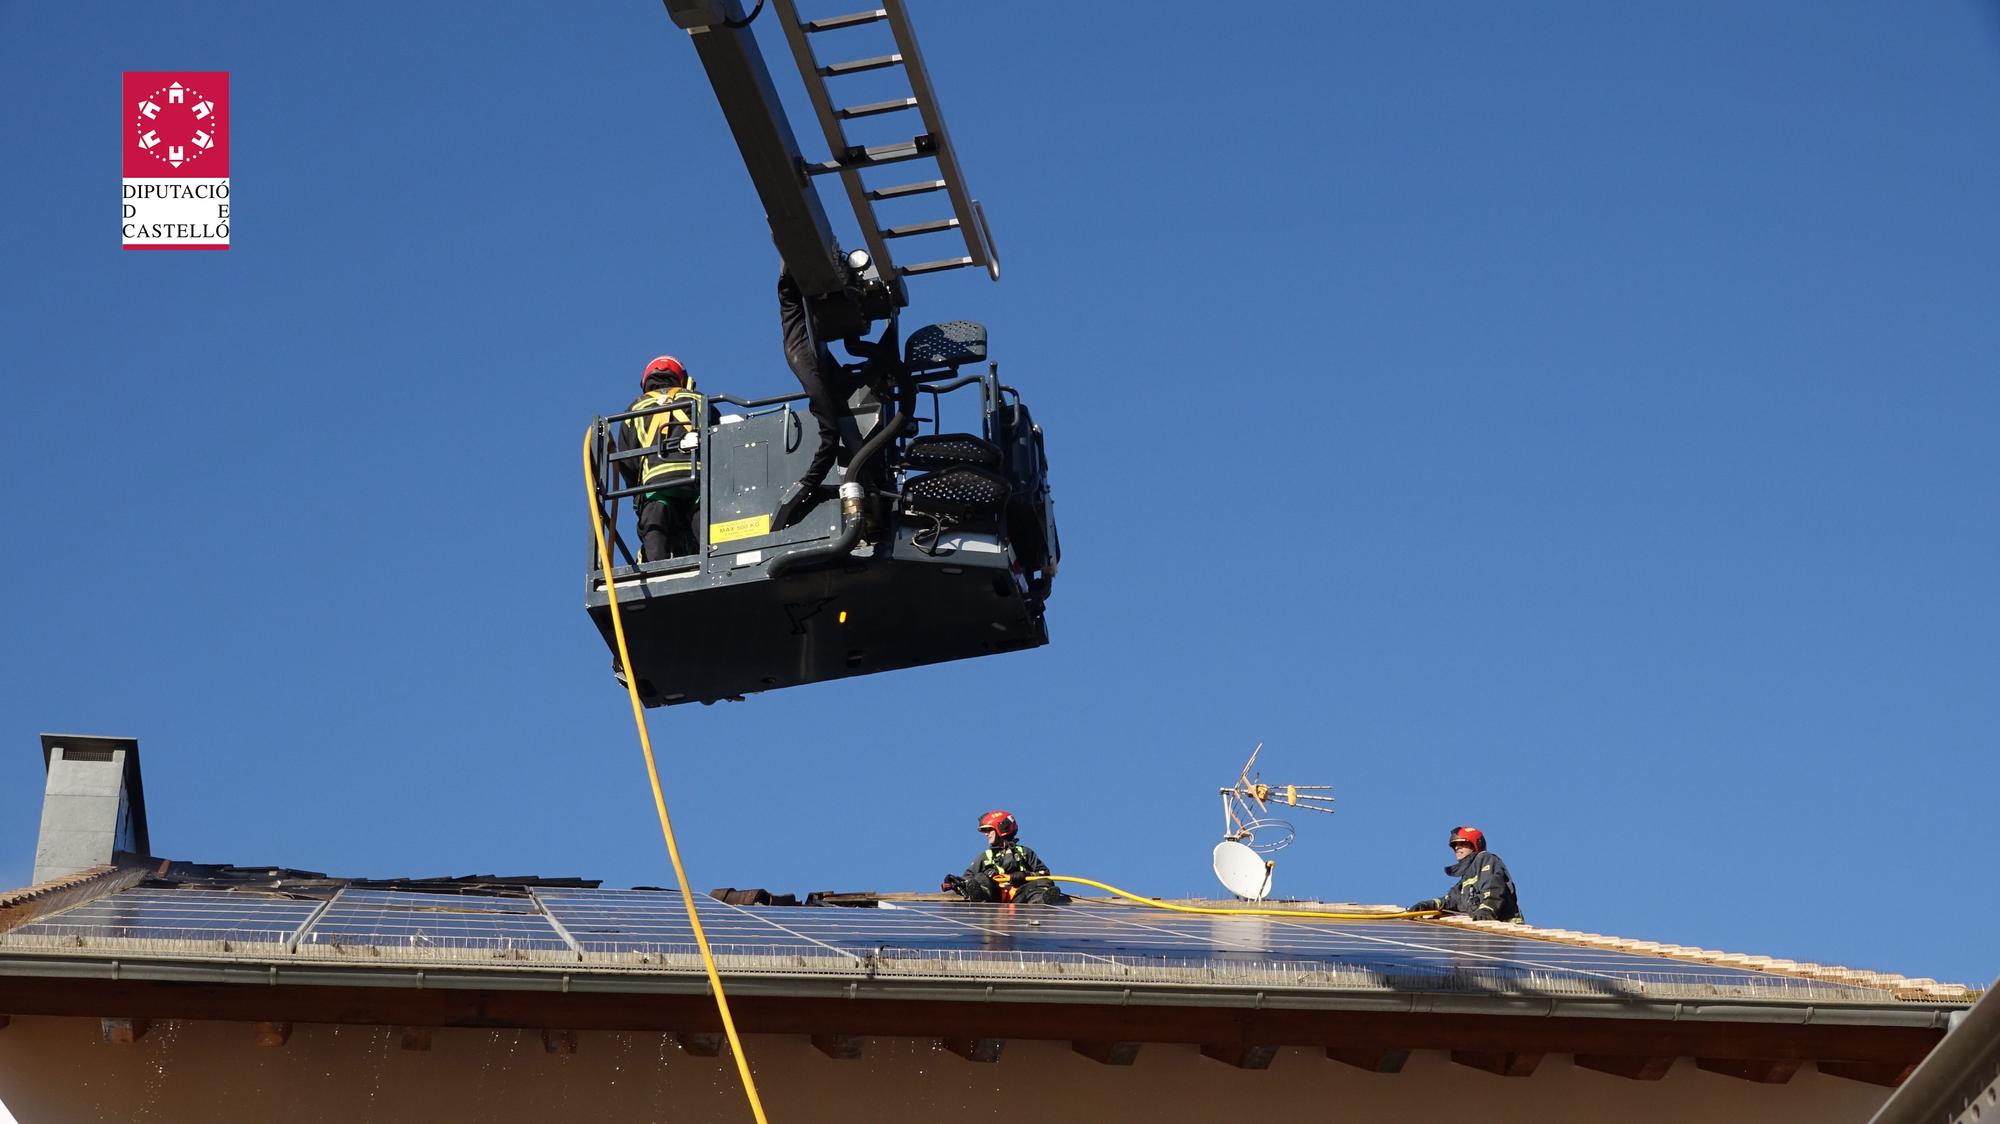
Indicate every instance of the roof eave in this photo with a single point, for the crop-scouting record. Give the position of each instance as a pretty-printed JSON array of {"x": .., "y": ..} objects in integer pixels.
[{"x": 583, "y": 979}]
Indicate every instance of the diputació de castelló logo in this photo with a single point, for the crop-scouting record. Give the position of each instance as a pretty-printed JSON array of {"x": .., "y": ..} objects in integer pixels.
[{"x": 176, "y": 160}]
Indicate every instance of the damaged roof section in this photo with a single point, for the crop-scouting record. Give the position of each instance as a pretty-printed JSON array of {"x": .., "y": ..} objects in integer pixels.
[{"x": 168, "y": 873}]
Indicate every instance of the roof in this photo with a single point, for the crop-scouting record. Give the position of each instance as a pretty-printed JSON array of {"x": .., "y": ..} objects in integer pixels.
[
  {"x": 193, "y": 915},
  {"x": 168, "y": 940}
]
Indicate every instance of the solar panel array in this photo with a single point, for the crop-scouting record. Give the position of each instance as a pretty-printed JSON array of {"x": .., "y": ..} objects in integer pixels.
[
  {"x": 217, "y": 916},
  {"x": 644, "y": 929},
  {"x": 375, "y": 920}
]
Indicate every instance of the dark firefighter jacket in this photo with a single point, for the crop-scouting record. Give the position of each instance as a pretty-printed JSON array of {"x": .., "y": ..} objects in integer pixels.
[
  {"x": 1014, "y": 858},
  {"x": 1484, "y": 890},
  {"x": 672, "y": 464}
]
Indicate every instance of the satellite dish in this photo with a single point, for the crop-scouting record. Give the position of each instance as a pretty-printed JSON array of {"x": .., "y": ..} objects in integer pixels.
[{"x": 1243, "y": 871}]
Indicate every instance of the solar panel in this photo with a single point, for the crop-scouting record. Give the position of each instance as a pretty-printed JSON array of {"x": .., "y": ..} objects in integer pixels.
[
  {"x": 234, "y": 916},
  {"x": 431, "y": 924},
  {"x": 651, "y": 921}
]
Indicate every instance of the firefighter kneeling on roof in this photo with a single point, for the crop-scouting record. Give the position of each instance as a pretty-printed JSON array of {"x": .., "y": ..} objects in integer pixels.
[
  {"x": 1485, "y": 891},
  {"x": 1005, "y": 871}
]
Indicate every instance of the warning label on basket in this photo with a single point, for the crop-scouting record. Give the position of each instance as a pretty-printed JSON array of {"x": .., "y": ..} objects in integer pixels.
[{"x": 739, "y": 529}]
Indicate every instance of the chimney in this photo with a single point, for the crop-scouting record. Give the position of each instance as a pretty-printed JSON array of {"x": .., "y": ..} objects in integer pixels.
[{"x": 93, "y": 806}]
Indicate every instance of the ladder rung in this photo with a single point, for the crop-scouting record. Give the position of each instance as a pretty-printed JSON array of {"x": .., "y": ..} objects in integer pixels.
[
  {"x": 849, "y": 113},
  {"x": 857, "y": 66},
  {"x": 903, "y": 189},
  {"x": 859, "y": 157},
  {"x": 852, "y": 19},
  {"x": 917, "y": 228},
  {"x": 934, "y": 266}
]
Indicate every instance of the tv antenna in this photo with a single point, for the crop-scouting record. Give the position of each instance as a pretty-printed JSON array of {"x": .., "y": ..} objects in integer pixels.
[{"x": 1250, "y": 831}]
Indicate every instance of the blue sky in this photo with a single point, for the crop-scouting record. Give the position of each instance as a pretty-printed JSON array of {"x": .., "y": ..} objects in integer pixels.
[{"x": 1575, "y": 419}]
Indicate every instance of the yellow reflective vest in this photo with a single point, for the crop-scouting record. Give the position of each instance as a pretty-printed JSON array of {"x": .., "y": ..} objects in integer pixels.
[{"x": 672, "y": 464}]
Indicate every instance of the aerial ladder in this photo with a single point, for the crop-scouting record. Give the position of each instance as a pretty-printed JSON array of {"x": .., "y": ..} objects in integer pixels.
[{"x": 938, "y": 544}]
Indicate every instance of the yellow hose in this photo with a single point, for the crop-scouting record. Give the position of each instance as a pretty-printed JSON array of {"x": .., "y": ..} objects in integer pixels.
[
  {"x": 1221, "y": 911},
  {"x": 659, "y": 799}
]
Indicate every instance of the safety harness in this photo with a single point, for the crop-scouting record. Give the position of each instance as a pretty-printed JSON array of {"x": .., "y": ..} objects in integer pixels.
[
  {"x": 668, "y": 465},
  {"x": 991, "y": 860}
]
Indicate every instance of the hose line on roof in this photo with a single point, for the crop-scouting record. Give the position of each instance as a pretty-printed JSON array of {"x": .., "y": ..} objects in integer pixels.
[
  {"x": 653, "y": 775},
  {"x": 1224, "y": 911}
]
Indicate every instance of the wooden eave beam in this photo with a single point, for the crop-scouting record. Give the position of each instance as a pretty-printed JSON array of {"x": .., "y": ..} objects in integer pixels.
[
  {"x": 1638, "y": 1067},
  {"x": 1763, "y": 1071},
  {"x": 1108, "y": 1053},
  {"x": 700, "y": 1044},
  {"x": 1890, "y": 1074},
  {"x": 1505, "y": 1063},
  {"x": 1375, "y": 1059},
  {"x": 1239, "y": 1054},
  {"x": 843, "y": 1047},
  {"x": 975, "y": 1049}
]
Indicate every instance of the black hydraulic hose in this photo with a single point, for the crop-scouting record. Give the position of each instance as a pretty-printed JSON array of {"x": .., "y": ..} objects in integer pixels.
[
  {"x": 840, "y": 546},
  {"x": 843, "y": 544}
]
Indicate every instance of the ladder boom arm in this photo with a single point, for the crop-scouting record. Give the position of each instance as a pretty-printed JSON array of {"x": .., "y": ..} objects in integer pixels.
[{"x": 750, "y": 104}]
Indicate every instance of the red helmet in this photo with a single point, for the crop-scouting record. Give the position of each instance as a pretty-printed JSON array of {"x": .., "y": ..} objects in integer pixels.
[
  {"x": 665, "y": 365},
  {"x": 1001, "y": 823},
  {"x": 1471, "y": 836}
]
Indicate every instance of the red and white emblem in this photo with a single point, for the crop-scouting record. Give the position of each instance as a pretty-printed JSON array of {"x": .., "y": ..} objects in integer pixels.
[
  {"x": 178, "y": 123},
  {"x": 176, "y": 160}
]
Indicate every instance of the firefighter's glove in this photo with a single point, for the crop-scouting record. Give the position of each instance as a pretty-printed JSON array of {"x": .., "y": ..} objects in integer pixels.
[
  {"x": 952, "y": 884},
  {"x": 1428, "y": 905}
]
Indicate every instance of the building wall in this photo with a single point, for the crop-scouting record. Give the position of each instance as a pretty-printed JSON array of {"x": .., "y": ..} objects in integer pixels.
[{"x": 61, "y": 1071}]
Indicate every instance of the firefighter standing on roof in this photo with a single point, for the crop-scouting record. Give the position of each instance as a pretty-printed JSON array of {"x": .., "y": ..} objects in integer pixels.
[
  {"x": 1484, "y": 891},
  {"x": 1004, "y": 871}
]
